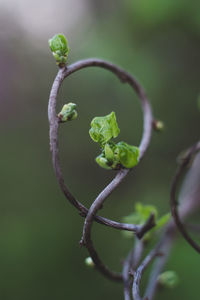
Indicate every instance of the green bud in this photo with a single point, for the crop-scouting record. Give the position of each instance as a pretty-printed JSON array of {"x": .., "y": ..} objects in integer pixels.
[
  {"x": 168, "y": 279},
  {"x": 103, "y": 162},
  {"x": 89, "y": 262},
  {"x": 59, "y": 48},
  {"x": 127, "y": 155},
  {"x": 68, "y": 112},
  {"x": 103, "y": 129},
  {"x": 158, "y": 125}
]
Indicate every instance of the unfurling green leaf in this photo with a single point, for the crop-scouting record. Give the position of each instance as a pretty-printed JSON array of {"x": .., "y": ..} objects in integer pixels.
[
  {"x": 141, "y": 215},
  {"x": 68, "y": 112},
  {"x": 59, "y": 48},
  {"x": 113, "y": 156},
  {"x": 168, "y": 279},
  {"x": 107, "y": 158},
  {"x": 127, "y": 155},
  {"x": 103, "y": 129}
]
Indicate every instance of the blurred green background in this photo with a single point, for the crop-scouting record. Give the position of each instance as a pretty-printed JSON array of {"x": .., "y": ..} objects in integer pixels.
[{"x": 157, "y": 41}]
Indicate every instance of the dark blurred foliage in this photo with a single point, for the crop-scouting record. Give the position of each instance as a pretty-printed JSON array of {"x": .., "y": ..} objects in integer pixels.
[{"x": 158, "y": 42}]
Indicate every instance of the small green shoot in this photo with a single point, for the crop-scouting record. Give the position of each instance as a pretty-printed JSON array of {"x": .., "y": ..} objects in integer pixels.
[
  {"x": 113, "y": 156},
  {"x": 59, "y": 48},
  {"x": 68, "y": 112}
]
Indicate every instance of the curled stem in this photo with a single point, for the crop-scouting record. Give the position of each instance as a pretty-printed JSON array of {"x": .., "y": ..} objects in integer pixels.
[
  {"x": 125, "y": 77},
  {"x": 147, "y": 129}
]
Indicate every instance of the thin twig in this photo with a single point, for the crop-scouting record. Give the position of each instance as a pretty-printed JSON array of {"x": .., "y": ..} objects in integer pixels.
[
  {"x": 173, "y": 201},
  {"x": 137, "y": 253},
  {"x": 130, "y": 265},
  {"x": 160, "y": 261},
  {"x": 126, "y": 275},
  {"x": 138, "y": 273}
]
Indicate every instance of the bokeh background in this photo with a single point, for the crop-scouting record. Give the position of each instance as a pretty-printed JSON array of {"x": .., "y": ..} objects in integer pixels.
[{"x": 158, "y": 42}]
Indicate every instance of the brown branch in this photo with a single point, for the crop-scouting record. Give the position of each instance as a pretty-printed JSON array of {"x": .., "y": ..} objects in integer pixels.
[
  {"x": 54, "y": 123},
  {"x": 54, "y": 126},
  {"x": 147, "y": 129},
  {"x": 100, "y": 266},
  {"x": 126, "y": 275},
  {"x": 150, "y": 223},
  {"x": 160, "y": 252},
  {"x": 165, "y": 244},
  {"x": 129, "y": 266},
  {"x": 173, "y": 201},
  {"x": 190, "y": 203},
  {"x": 138, "y": 273},
  {"x": 160, "y": 261}
]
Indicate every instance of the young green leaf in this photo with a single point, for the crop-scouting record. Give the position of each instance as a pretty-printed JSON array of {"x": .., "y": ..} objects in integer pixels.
[
  {"x": 103, "y": 129},
  {"x": 107, "y": 159},
  {"x": 140, "y": 216},
  {"x": 114, "y": 156},
  {"x": 68, "y": 112},
  {"x": 59, "y": 48},
  {"x": 127, "y": 155}
]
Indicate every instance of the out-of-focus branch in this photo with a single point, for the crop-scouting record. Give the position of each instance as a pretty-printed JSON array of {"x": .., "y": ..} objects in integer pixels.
[
  {"x": 160, "y": 261},
  {"x": 138, "y": 273},
  {"x": 174, "y": 203},
  {"x": 130, "y": 265},
  {"x": 126, "y": 275},
  {"x": 189, "y": 198}
]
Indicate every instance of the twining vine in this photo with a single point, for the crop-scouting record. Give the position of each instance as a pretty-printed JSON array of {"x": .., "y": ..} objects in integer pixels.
[{"x": 121, "y": 157}]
